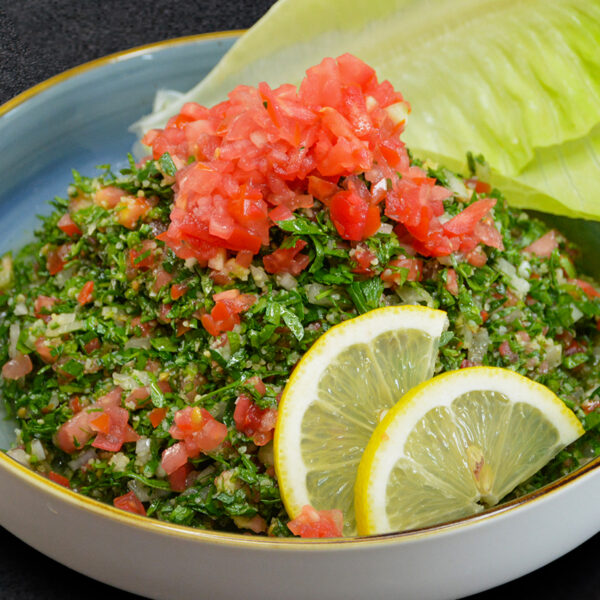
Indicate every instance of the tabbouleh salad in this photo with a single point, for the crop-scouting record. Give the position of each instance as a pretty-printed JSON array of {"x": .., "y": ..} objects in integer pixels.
[{"x": 154, "y": 321}]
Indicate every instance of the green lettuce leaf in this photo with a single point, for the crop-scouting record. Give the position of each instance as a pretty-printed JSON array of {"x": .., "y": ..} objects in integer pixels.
[{"x": 518, "y": 82}]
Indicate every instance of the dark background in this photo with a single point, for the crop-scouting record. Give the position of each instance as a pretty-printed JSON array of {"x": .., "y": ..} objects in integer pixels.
[{"x": 40, "y": 38}]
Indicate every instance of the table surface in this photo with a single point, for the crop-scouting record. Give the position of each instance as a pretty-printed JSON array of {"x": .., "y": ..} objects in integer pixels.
[{"x": 40, "y": 38}]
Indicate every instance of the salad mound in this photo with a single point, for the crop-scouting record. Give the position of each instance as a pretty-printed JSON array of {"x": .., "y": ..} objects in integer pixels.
[{"x": 158, "y": 314}]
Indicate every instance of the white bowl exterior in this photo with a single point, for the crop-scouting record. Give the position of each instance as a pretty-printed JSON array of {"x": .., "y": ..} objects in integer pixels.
[{"x": 166, "y": 563}]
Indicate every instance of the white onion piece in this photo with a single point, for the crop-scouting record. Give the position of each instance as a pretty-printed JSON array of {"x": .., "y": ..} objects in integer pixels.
[
  {"x": 141, "y": 342},
  {"x": 83, "y": 459},
  {"x": 13, "y": 337},
  {"x": 37, "y": 449},
  {"x": 479, "y": 346}
]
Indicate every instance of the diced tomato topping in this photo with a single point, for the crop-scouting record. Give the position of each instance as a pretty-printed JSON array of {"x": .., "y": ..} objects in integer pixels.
[
  {"x": 225, "y": 314},
  {"x": 465, "y": 221},
  {"x": 93, "y": 345},
  {"x": 364, "y": 260},
  {"x": 130, "y": 210},
  {"x": 198, "y": 431},
  {"x": 131, "y": 503},
  {"x": 44, "y": 348},
  {"x": 506, "y": 352},
  {"x": 17, "y": 367},
  {"x": 143, "y": 257},
  {"x": 60, "y": 479},
  {"x": 178, "y": 478},
  {"x": 481, "y": 187},
  {"x": 287, "y": 260},
  {"x": 484, "y": 315},
  {"x": 174, "y": 457},
  {"x": 452, "y": 282},
  {"x": 414, "y": 266},
  {"x": 311, "y": 523},
  {"x": 254, "y": 422},
  {"x": 43, "y": 306},
  {"x": 587, "y": 288},
  {"x": 68, "y": 226},
  {"x": 156, "y": 416},
  {"x": 109, "y": 197},
  {"x": 353, "y": 216},
  {"x": 105, "y": 418},
  {"x": 56, "y": 258},
  {"x": 178, "y": 290},
  {"x": 543, "y": 246},
  {"x": 86, "y": 294}
]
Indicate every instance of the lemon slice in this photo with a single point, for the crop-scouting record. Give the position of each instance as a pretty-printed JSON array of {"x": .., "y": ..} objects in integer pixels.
[
  {"x": 337, "y": 395},
  {"x": 455, "y": 445}
]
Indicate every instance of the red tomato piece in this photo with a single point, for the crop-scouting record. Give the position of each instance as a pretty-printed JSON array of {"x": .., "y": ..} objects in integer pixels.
[
  {"x": 42, "y": 307},
  {"x": 130, "y": 210},
  {"x": 353, "y": 216},
  {"x": 17, "y": 367},
  {"x": 543, "y": 246},
  {"x": 56, "y": 258},
  {"x": 86, "y": 294},
  {"x": 466, "y": 220},
  {"x": 156, "y": 416},
  {"x": 174, "y": 457},
  {"x": 311, "y": 523},
  {"x": 44, "y": 348},
  {"x": 109, "y": 196},
  {"x": 452, "y": 282},
  {"x": 178, "y": 478},
  {"x": 131, "y": 503},
  {"x": 144, "y": 257},
  {"x": 254, "y": 422},
  {"x": 586, "y": 287},
  {"x": 287, "y": 260},
  {"x": 413, "y": 265},
  {"x": 60, "y": 479},
  {"x": 364, "y": 258},
  {"x": 178, "y": 290},
  {"x": 92, "y": 346},
  {"x": 68, "y": 226}
]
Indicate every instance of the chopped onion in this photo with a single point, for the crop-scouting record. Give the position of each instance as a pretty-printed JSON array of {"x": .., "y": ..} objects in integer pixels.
[
  {"x": 135, "y": 342},
  {"x": 133, "y": 381},
  {"x": 479, "y": 346},
  {"x": 411, "y": 295},
  {"x": 83, "y": 459},
  {"x": 386, "y": 228},
  {"x": 19, "y": 455},
  {"x": 20, "y": 309},
  {"x": 13, "y": 337},
  {"x": 313, "y": 291},
  {"x": 37, "y": 449},
  {"x": 63, "y": 323},
  {"x": 259, "y": 275},
  {"x": 140, "y": 490},
  {"x": 553, "y": 355},
  {"x": 520, "y": 285},
  {"x": 286, "y": 281}
]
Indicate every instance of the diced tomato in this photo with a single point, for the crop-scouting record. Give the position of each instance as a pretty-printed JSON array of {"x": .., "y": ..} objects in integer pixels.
[
  {"x": 364, "y": 260},
  {"x": 452, "y": 282},
  {"x": 543, "y": 246},
  {"x": 178, "y": 290},
  {"x": 586, "y": 287},
  {"x": 130, "y": 210},
  {"x": 75, "y": 404},
  {"x": 17, "y": 367},
  {"x": 60, "y": 479},
  {"x": 484, "y": 315},
  {"x": 93, "y": 345},
  {"x": 109, "y": 196},
  {"x": 117, "y": 432},
  {"x": 131, "y": 503},
  {"x": 393, "y": 275},
  {"x": 145, "y": 328},
  {"x": 44, "y": 348},
  {"x": 198, "y": 429},
  {"x": 477, "y": 257},
  {"x": 225, "y": 314},
  {"x": 56, "y": 258},
  {"x": 353, "y": 216},
  {"x": 254, "y": 422},
  {"x": 481, "y": 187},
  {"x": 466, "y": 363},
  {"x": 68, "y": 226},
  {"x": 287, "y": 260},
  {"x": 174, "y": 457},
  {"x": 178, "y": 478},
  {"x": 506, "y": 352},
  {"x": 43, "y": 306},
  {"x": 311, "y": 523},
  {"x": 143, "y": 257},
  {"x": 100, "y": 424},
  {"x": 86, "y": 294},
  {"x": 465, "y": 221},
  {"x": 156, "y": 416},
  {"x": 281, "y": 213}
]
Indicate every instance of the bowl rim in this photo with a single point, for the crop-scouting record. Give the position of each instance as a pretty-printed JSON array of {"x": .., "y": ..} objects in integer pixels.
[{"x": 103, "y": 510}]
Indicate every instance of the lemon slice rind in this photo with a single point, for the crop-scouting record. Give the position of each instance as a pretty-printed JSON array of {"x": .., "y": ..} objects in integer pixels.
[
  {"x": 302, "y": 388},
  {"x": 387, "y": 444}
]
